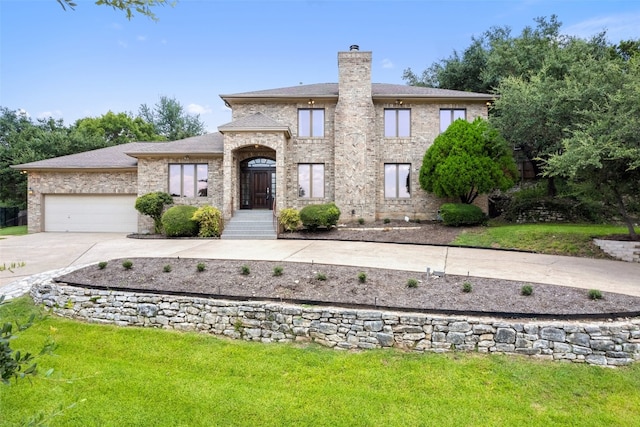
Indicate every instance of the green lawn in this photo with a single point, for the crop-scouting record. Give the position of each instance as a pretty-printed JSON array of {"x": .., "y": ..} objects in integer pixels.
[
  {"x": 557, "y": 239},
  {"x": 13, "y": 231},
  {"x": 143, "y": 377}
]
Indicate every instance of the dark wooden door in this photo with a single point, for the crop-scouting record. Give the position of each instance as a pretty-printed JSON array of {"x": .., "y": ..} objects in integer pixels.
[{"x": 261, "y": 189}]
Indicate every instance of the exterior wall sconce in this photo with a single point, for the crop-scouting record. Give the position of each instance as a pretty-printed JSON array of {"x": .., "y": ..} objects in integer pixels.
[
  {"x": 31, "y": 192},
  {"x": 311, "y": 102},
  {"x": 257, "y": 146},
  {"x": 398, "y": 102},
  {"x": 186, "y": 157}
]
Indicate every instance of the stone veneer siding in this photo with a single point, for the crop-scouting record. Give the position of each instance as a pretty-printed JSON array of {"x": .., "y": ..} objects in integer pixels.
[
  {"x": 74, "y": 182},
  {"x": 597, "y": 343},
  {"x": 626, "y": 251}
]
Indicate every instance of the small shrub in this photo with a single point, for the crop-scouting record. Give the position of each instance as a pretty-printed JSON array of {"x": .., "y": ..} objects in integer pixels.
[
  {"x": 200, "y": 267},
  {"x": 360, "y": 221},
  {"x": 177, "y": 221},
  {"x": 102, "y": 265},
  {"x": 526, "y": 290},
  {"x": 127, "y": 264},
  {"x": 152, "y": 204},
  {"x": 209, "y": 221},
  {"x": 362, "y": 277},
  {"x": 595, "y": 294},
  {"x": 321, "y": 277},
  {"x": 245, "y": 270},
  {"x": 314, "y": 216},
  {"x": 166, "y": 268},
  {"x": 277, "y": 270},
  {"x": 457, "y": 214},
  {"x": 289, "y": 219},
  {"x": 386, "y": 220},
  {"x": 412, "y": 283},
  {"x": 467, "y": 287}
]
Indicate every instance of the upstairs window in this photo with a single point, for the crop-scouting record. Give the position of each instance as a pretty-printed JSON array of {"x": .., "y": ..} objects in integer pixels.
[
  {"x": 397, "y": 180},
  {"x": 310, "y": 180},
  {"x": 311, "y": 123},
  {"x": 188, "y": 180},
  {"x": 397, "y": 123},
  {"x": 449, "y": 115}
]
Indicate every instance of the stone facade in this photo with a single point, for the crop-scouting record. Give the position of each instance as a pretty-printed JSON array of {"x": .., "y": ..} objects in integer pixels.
[
  {"x": 43, "y": 183},
  {"x": 611, "y": 343}
]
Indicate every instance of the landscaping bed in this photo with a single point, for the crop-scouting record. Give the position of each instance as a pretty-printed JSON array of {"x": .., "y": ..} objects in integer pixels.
[{"x": 343, "y": 286}]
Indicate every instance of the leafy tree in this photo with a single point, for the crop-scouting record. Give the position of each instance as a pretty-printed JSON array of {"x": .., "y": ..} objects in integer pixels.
[
  {"x": 466, "y": 160},
  {"x": 152, "y": 204},
  {"x": 142, "y": 7},
  {"x": 118, "y": 128},
  {"x": 601, "y": 155},
  {"x": 24, "y": 141},
  {"x": 170, "y": 120}
]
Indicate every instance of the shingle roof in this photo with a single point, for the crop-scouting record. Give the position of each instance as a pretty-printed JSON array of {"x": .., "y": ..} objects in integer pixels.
[
  {"x": 104, "y": 158},
  {"x": 210, "y": 143},
  {"x": 255, "y": 122},
  {"x": 379, "y": 90}
]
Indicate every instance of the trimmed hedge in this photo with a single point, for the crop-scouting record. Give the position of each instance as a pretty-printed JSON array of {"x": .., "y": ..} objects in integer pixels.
[
  {"x": 289, "y": 218},
  {"x": 457, "y": 214},
  {"x": 209, "y": 221},
  {"x": 314, "y": 216},
  {"x": 177, "y": 221}
]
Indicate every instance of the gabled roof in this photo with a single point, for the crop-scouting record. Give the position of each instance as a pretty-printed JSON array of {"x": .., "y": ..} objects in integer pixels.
[
  {"x": 378, "y": 91},
  {"x": 203, "y": 145},
  {"x": 104, "y": 158},
  {"x": 257, "y": 122}
]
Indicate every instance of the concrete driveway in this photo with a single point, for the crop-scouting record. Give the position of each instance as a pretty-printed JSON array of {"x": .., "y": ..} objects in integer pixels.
[{"x": 42, "y": 252}]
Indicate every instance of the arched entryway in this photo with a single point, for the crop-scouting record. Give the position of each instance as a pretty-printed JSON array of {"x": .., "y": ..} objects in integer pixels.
[{"x": 257, "y": 183}]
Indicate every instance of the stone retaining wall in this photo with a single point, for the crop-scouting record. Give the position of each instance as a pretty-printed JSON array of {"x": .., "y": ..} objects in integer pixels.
[
  {"x": 611, "y": 343},
  {"x": 626, "y": 251}
]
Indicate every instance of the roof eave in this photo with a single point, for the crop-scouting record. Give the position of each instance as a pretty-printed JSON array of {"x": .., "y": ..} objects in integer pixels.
[
  {"x": 284, "y": 129},
  {"x": 74, "y": 168},
  {"x": 174, "y": 154},
  {"x": 230, "y": 99}
]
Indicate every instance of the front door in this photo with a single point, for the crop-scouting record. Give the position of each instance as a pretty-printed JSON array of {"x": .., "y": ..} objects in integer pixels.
[
  {"x": 257, "y": 183},
  {"x": 261, "y": 194}
]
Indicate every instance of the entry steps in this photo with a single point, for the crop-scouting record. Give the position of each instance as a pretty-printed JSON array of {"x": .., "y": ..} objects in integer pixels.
[{"x": 250, "y": 225}]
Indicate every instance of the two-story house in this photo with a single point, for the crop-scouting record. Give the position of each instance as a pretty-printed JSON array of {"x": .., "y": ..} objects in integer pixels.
[{"x": 356, "y": 143}]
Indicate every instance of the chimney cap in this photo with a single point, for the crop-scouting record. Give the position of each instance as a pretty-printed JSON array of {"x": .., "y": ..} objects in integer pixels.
[{"x": 354, "y": 47}]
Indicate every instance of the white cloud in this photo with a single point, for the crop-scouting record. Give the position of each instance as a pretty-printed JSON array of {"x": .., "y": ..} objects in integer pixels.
[
  {"x": 619, "y": 27},
  {"x": 198, "y": 109},
  {"x": 23, "y": 112},
  {"x": 123, "y": 44},
  {"x": 56, "y": 114},
  {"x": 386, "y": 63},
  {"x": 142, "y": 38}
]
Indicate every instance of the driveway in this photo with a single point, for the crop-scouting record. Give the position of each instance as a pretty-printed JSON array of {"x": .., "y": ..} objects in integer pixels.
[{"x": 42, "y": 252}]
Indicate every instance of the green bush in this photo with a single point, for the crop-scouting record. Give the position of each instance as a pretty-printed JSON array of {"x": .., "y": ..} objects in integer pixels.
[
  {"x": 362, "y": 277},
  {"x": 321, "y": 277},
  {"x": 201, "y": 267},
  {"x": 595, "y": 294},
  {"x": 152, "y": 204},
  {"x": 412, "y": 283},
  {"x": 467, "y": 287},
  {"x": 277, "y": 270},
  {"x": 526, "y": 290},
  {"x": 245, "y": 270},
  {"x": 167, "y": 268},
  {"x": 102, "y": 265},
  {"x": 209, "y": 220},
  {"x": 177, "y": 221},
  {"x": 127, "y": 264},
  {"x": 324, "y": 215},
  {"x": 457, "y": 214},
  {"x": 289, "y": 218}
]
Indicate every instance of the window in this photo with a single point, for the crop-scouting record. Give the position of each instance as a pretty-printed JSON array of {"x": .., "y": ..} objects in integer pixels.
[
  {"x": 311, "y": 122},
  {"x": 188, "y": 180},
  {"x": 397, "y": 123},
  {"x": 397, "y": 181},
  {"x": 449, "y": 115},
  {"x": 310, "y": 180}
]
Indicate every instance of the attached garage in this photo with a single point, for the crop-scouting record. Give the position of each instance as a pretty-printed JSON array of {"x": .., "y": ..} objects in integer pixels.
[{"x": 90, "y": 213}]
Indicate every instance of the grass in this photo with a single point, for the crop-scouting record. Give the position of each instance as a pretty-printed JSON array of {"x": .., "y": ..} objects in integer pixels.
[
  {"x": 132, "y": 376},
  {"x": 13, "y": 231},
  {"x": 555, "y": 239}
]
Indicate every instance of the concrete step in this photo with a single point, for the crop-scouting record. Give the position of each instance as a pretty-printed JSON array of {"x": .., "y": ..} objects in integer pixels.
[{"x": 250, "y": 225}]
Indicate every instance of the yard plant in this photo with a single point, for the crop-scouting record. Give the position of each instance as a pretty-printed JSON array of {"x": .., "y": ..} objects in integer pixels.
[
  {"x": 153, "y": 204},
  {"x": 323, "y": 215},
  {"x": 126, "y": 375},
  {"x": 178, "y": 221},
  {"x": 209, "y": 221}
]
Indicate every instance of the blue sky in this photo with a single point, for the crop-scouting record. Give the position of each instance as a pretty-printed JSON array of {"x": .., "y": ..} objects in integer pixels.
[{"x": 86, "y": 62}]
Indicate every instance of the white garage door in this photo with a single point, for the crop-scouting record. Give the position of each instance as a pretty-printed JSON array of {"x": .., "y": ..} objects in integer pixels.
[{"x": 90, "y": 213}]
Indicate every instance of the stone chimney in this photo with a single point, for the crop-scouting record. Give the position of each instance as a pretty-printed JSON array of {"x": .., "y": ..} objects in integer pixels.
[{"x": 355, "y": 151}]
